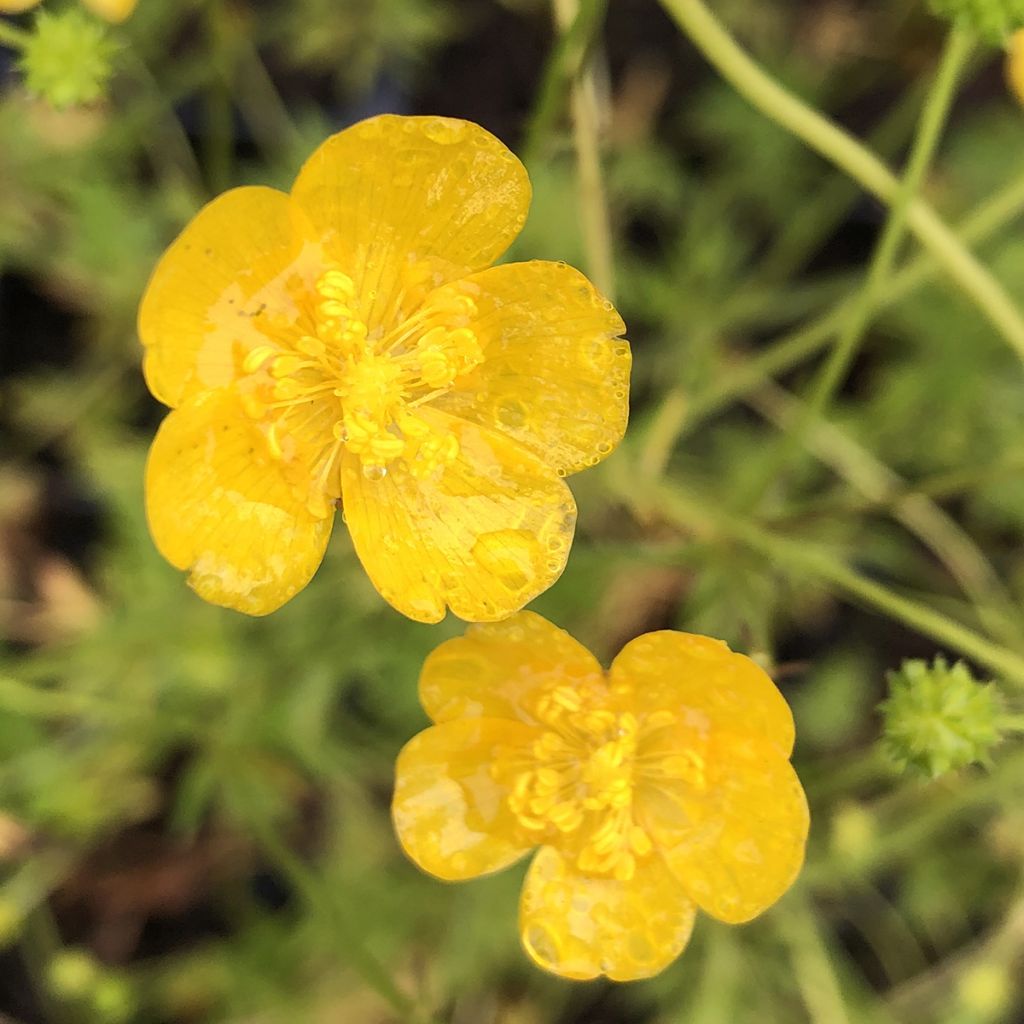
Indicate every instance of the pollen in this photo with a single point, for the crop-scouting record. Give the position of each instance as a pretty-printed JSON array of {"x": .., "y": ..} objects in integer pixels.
[{"x": 343, "y": 382}]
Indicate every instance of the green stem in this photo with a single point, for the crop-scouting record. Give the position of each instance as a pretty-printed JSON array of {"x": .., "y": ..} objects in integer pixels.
[
  {"x": 828, "y": 139},
  {"x": 219, "y": 142},
  {"x": 798, "y": 556},
  {"x": 597, "y": 232},
  {"x": 786, "y": 353},
  {"x": 938, "y": 531},
  {"x": 320, "y": 901},
  {"x": 562, "y": 67},
  {"x": 812, "y": 964},
  {"x": 817, "y": 563},
  {"x": 15, "y": 38},
  {"x": 959, "y": 45}
]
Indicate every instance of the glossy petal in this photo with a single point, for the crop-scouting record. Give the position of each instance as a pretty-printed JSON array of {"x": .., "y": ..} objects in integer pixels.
[
  {"x": 736, "y": 842},
  {"x": 17, "y": 6},
  {"x": 112, "y": 10},
  {"x": 226, "y": 285},
  {"x": 486, "y": 537},
  {"x": 430, "y": 197},
  {"x": 450, "y": 815},
  {"x": 219, "y": 507},
  {"x": 496, "y": 668},
  {"x": 700, "y": 679},
  {"x": 555, "y": 374},
  {"x": 581, "y": 927}
]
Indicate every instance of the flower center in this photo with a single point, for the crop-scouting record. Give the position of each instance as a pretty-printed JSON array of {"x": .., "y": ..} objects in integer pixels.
[
  {"x": 580, "y": 777},
  {"x": 344, "y": 384}
]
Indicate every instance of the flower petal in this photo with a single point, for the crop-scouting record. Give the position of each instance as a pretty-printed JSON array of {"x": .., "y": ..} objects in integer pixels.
[
  {"x": 496, "y": 667},
  {"x": 485, "y": 537},
  {"x": 403, "y": 201},
  {"x": 451, "y": 817},
  {"x": 230, "y": 277},
  {"x": 736, "y": 840},
  {"x": 555, "y": 374},
  {"x": 701, "y": 679},
  {"x": 581, "y": 927},
  {"x": 112, "y": 10},
  {"x": 218, "y": 506}
]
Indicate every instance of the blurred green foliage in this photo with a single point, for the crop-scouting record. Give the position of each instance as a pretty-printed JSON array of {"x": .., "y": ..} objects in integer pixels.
[{"x": 194, "y": 805}]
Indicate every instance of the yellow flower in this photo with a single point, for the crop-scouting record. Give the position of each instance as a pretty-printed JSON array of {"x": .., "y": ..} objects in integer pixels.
[
  {"x": 112, "y": 10},
  {"x": 344, "y": 346},
  {"x": 658, "y": 787}
]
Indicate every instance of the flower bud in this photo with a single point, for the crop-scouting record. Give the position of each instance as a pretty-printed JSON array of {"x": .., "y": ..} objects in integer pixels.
[
  {"x": 939, "y": 718},
  {"x": 67, "y": 58}
]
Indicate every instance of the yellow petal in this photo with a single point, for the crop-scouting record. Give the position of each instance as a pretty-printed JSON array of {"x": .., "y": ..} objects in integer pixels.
[
  {"x": 219, "y": 507},
  {"x": 581, "y": 927},
  {"x": 701, "y": 679},
  {"x": 17, "y": 6},
  {"x": 496, "y": 668},
  {"x": 736, "y": 842},
  {"x": 112, "y": 10},
  {"x": 228, "y": 284},
  {"x": 451, "y": 817},
  {"x": 431, "y": 197},
  {"x": 486, "y": 537},
  {"x": 1015, "y": 65},
  {"x": 555, "y": 374}
]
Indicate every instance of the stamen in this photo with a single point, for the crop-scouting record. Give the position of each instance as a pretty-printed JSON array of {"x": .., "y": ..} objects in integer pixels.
[{"x": 359, "y": 383}]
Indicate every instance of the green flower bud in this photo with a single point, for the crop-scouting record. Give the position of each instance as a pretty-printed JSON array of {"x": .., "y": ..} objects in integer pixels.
[
  {"x": 939, "y": 718},
  {"x": 994, "y": 20},
  {"x": 67, "y": 59}
]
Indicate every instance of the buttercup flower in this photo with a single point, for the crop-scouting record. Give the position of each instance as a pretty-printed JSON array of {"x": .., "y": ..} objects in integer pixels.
[
  {"x": 343, "y": 346},
  {"x": 112, "y": 10},
  {"x": 658, "y": 787}
]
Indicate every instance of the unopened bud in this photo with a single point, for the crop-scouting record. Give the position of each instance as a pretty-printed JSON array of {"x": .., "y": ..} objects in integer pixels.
[
  {"x": 67, "y": 58},
  {"x": 939, "y": 718}
]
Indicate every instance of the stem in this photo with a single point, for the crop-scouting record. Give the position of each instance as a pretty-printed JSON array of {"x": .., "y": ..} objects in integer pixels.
[
  {"x": 916, "y": 512},
  {"x": 865, "y": 304},
  {"x": 562, "y": 67},
  {"x": 597, "y": 232},
  {"x": 828, "y": 139},
  {"x": 991, "y": 215},
  {"x": 219, "y": 142},
  {"x": 680, "y": 508},
  {"x": 812, "y": 964},
  {"x": 15, "y": 38},
  {"x": 320, "y": 901}
]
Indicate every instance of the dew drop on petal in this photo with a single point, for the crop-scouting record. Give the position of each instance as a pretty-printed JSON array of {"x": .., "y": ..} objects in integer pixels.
[{"x": 509, "y": 555}]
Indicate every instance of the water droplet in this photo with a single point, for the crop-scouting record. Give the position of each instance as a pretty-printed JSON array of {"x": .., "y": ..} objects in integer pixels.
[
  {"x": 512, "y": 556},
  {"x": 372, "y": 472},
  {"x": 510, "y": 412}
]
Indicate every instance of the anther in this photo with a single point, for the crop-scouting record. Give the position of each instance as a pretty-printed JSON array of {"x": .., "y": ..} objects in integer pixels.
[{"x": 257, "y": 357}]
